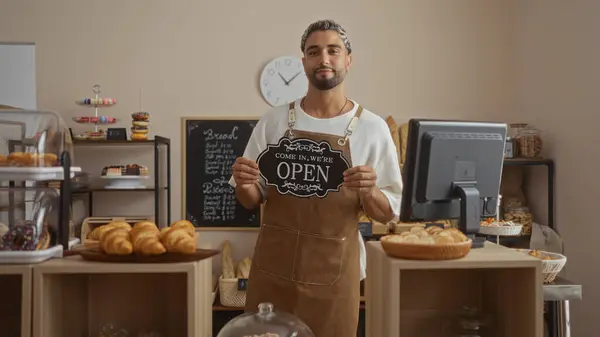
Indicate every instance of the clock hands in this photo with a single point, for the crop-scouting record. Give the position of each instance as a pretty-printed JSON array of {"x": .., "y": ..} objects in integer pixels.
[
  {"x": 293, "y": 77},
  {"x": 286, "y": 82}
]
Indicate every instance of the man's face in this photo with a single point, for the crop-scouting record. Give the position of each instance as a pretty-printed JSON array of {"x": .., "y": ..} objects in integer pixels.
[{"x": 326, "y": 60}]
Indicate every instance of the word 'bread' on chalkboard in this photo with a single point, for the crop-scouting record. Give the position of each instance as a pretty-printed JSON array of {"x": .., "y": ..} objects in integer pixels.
[
  {"x": 303, "y": 167},
  {"x": 211, "y": 148}
]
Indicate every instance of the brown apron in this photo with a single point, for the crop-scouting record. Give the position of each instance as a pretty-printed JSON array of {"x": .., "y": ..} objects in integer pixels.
[{"x": 306, "y": 261}]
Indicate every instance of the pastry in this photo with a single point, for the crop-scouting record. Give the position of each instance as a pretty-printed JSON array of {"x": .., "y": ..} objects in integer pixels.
[
  {"x": 140, "y": 116},
  {"x": 116, "y": 241},
  {"x": 139, "y": 129},
  {"x": 3, "y": 229},
  {"x": 125, "y": 170},
  {"x": 179, "y": 240},
  {"x": 184, "y": 224},
  {"x": 141, "y": 124},
  {"x": 99, "y": 231},
  {"x": 20, "y": 237},
  {"x": 146, "y": 239},
  {"x": 430, "y": 236},
  {"x": 139, "y": 136}
]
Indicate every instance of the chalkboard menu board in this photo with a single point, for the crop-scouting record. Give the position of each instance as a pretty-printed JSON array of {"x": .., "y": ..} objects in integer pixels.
[{"x": 210, "y": 149}]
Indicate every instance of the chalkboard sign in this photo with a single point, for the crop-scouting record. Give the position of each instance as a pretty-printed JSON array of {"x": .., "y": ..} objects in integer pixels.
[{"x": 210, "y": 148}]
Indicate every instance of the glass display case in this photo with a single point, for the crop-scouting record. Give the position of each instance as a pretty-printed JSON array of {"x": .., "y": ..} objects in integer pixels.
[
  {"x": 32, "y": 144},
  {"x": 35, "y": 147},
  {"x": 266, "y": 323},
  {"x": 29, "y": 224}
]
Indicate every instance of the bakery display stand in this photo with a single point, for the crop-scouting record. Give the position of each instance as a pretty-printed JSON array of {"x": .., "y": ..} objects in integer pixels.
[
  {"x": 159, "y": 187},
  {"x": 97, "y": 103},
  {"x": 27, "y": 157},
  {"x": 75, "y": 297}
]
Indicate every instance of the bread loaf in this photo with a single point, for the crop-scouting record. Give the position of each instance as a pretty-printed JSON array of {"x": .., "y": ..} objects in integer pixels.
[
  {"x": 243, "y": 269},
  {"x": 227, "y": 261}
]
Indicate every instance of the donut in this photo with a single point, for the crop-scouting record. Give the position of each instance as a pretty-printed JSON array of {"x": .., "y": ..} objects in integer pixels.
[
  {"x": 139, "y": 129},
  {"x": 140, "y": 116},
  {"x": 140, "y": 123},
  {"x": 139, "y": 136},
  {"x": 21, "y": 237}
]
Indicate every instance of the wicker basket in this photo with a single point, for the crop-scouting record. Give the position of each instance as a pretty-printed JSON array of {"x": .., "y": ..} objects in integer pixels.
[
  {"x": 229, "y": 295},
  {"x": 550, "y": 268},
  {"x": 501, "y": 230},
  {"x": 415, "y": 251}
]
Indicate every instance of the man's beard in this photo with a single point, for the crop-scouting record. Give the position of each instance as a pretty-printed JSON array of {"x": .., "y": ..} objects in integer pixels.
[{"x": 327, "y": 83}]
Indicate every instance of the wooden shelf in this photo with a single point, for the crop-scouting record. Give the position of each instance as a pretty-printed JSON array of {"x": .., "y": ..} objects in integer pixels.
[
  {"x": 157, "y": 140},
  {"x": 74, "y": 297},
  {"x": 15, "y": 311},
  {"x": 102, "y": 189}
]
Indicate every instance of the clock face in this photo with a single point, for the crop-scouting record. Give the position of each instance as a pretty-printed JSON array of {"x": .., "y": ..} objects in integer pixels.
[{"x": 283, "y": 80}]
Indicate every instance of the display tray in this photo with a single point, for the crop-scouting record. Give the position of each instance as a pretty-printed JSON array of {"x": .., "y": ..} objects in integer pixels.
[
  {"x": 17, "y": 173},
  {"x": 95, "y": 254},
  {"x": 416, "y": 251},
  {"x": 34, "y": 256}
]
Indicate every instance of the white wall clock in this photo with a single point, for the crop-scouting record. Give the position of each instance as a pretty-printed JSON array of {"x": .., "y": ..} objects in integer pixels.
[{"x": 283, "y": 80}]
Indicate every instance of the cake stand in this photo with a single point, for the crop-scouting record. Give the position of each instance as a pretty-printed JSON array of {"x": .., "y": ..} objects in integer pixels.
[
  {"x": 125, "y": 182},
  {"x": 97, "y": 103}
]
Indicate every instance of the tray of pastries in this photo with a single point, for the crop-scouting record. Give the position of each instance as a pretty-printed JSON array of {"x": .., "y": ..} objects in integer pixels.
[
  {"x": 430, "y": 243},
  {"x": 143, "y": 242}
]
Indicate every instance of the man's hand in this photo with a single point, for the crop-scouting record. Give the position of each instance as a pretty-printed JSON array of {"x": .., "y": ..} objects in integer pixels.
[
  {"x": 361, "y": 179},
  {"x": 245, "y": 172}
]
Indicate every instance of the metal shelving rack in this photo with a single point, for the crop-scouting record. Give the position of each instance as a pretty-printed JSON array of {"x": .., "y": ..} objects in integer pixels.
[{"x": 156, "y": 143}]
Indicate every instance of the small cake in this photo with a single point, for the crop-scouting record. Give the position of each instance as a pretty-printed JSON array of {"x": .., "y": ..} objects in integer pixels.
[{"x": 125, "y": 170}]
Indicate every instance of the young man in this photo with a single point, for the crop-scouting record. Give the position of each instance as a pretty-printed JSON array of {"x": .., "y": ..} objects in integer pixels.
[{"x": 309, "y": 257}]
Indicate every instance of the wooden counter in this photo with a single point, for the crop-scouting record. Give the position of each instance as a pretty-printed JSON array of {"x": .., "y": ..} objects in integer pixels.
[
  {"x": 421, "y": 298},
  {"x": 15, "y": 310},
  {"x": 74, "y": 297}
]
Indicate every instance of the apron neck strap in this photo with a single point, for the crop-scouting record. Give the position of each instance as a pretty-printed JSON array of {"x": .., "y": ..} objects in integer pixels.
[{"x": 349, "y": 129}]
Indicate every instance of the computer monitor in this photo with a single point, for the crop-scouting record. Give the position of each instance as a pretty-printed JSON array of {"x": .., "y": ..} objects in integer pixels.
[{"x": 453, "y": 171}]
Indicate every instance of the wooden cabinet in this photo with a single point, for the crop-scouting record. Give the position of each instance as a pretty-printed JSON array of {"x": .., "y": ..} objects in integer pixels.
[
  {"x": 406, "y": 298},
  {"x": 73, "y": 297},
  {"x": 15, "y": 311}
]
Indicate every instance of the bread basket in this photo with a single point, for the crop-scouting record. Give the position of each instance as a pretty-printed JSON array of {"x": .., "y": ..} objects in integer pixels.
[
  {"x": 550, "y": 267},
  {"x": 229, "y": 295},
  {"x": 419, "y": 251}
]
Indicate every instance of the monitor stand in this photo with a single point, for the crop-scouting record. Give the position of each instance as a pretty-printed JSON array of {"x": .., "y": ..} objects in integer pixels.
[{"x": 469, "y": 212}]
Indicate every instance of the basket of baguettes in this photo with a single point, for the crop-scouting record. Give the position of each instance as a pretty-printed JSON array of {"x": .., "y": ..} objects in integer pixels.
[
  {"x": 431, "y": 243},
  {"x": 230, "y": 293},
  {"x": 120, "y": 241}
]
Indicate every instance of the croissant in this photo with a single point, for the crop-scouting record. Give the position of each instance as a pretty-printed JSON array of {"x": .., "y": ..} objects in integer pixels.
[
  {"x": 98, "y": 232},
  {"x": 184, "y": 224},
  {"x": 179, "y": 240},
  {"x": 146, "y": 239},
  {"x": 117, "y": 241}
]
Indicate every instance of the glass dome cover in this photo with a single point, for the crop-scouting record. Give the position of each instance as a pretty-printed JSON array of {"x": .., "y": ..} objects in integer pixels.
[
  {"x": 266, "y": 323},
  {"x": 31, "y": 138}
]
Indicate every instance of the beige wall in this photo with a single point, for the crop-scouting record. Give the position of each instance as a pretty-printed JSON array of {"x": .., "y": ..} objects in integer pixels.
[
  {"x": 201, "y": 58},
  {"x": 558, "y": 83},
  {"x": 493, "y": 59}
]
